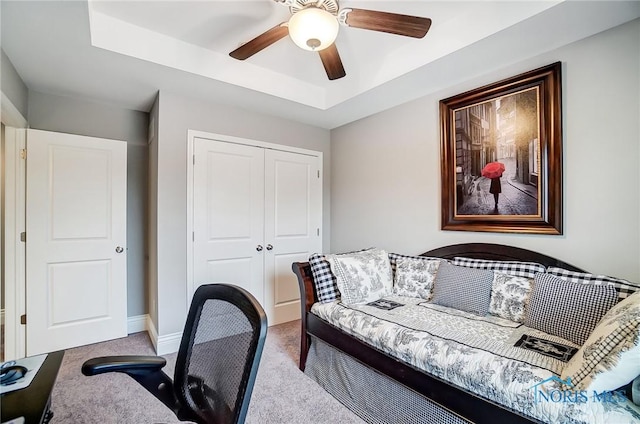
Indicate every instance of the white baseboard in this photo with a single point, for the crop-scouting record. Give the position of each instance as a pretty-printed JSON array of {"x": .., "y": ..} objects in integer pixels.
[
  {"x": 169, "y": 343},
  {"x": 166, "y": 344},
  {"x": 137, "y": 323},
  {"x": 153, "y": 333}
]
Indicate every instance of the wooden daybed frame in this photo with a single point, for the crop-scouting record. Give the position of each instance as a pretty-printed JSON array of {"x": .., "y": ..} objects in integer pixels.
[{"x": 463, "y": 403}]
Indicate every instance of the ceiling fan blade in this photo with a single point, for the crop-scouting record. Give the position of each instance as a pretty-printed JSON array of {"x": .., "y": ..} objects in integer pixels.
[
  {"x": 332, "y": 62},
  {"x": 261, "y": 42},
  {"x": 394, "y": 23}
]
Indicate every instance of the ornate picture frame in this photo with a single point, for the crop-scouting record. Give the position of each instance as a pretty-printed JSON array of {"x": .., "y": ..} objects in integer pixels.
[{"x": 501, "y": 155}]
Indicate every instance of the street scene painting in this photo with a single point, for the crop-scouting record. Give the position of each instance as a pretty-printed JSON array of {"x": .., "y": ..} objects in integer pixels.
[
  {"x": 498, "y": 156},
  {"x": 502, "y": 156}
]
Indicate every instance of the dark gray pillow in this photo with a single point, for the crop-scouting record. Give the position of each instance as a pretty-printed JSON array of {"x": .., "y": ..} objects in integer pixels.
[
  {"x": 566, "y": 309},
  {"x": 466, "y": 289}
]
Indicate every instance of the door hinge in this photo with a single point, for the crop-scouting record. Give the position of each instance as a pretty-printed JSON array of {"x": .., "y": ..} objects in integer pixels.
[
  {"x": 23, "y": 237},
  {"x": 317, "y": 231},
  {"x": 193, "y": 236},
  {"x": 194, "y": 159},
  {"x": 23, "y": 153},
  {"x": 23, "y": 319},
  {"x": 318, "y": 173}
]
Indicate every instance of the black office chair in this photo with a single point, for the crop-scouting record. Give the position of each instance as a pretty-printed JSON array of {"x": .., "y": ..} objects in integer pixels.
[{"x": 217, "y": 362}]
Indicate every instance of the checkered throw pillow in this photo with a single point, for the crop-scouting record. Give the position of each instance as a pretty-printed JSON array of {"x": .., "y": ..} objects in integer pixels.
[
  {"x": 623, "y": 287},
  {"x": 568, "y": 310},
  {"x": 462, "y": 288},
  {"x": 324, "y": 280},
  {"x": 519, "y": 269},
  {"x": 610, "y": 358}
]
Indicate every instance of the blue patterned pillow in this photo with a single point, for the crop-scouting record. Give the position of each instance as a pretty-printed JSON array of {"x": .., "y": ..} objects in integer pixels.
[{"x": 466, "y": 289}]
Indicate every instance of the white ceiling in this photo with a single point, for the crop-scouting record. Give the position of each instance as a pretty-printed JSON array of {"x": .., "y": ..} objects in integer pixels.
[{"x": 123, "y": 52}]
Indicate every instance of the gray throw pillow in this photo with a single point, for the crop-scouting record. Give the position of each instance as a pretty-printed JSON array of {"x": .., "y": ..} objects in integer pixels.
[
  {"x": 568, "y": 310},
  {"x": 466, "y": 289}
]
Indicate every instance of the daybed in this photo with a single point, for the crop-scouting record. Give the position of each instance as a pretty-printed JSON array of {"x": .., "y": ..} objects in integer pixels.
[{"x": 410, "y": 357}]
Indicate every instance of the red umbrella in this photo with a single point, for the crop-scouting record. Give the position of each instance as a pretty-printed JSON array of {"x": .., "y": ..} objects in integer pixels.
[{"x": 493, "y": 170}]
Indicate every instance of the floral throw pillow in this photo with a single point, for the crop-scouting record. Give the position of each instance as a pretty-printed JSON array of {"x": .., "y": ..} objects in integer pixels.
[
  {"x": 610, "y": 358},
  {"x": 510, "y": 296},
  {"x": 362, "y": 277},
  {"x": 414, "y": 277},
  {"x": 323, "y": 279}
]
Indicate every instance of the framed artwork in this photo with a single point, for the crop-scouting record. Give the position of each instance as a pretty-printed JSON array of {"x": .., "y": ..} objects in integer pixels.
[{"x": 502, "y": 155}]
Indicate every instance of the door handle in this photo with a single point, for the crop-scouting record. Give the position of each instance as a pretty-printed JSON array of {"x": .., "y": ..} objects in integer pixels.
[
  {"x": 269, "y": 247},
  {"x": 119, "y": 249},
  {"x": 259, "y": 248}
]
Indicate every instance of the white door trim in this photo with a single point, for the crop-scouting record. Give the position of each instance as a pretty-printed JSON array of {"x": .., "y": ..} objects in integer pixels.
[
  {"x": 191, "y": 136},
  {"x": 14, "y": 249}
]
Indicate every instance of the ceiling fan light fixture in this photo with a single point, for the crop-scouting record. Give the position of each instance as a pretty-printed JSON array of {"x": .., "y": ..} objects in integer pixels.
[{"x": 313, "y": 28}]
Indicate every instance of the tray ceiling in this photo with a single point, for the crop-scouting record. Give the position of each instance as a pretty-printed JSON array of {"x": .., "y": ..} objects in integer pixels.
[{"x": 123, "y": 52}]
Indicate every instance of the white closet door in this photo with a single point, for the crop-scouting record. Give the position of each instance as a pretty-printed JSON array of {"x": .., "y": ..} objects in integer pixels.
[
  {"x": 76, "y": 235},
  {"x": 293, "y": 217},
  {"x": 228, "y": 217}
]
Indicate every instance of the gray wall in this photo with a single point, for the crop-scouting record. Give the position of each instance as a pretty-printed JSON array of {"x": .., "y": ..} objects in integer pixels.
[
  {"x": 385, "y": 175},
  {"x": 12, "y": 85},
  {"x": 177, "y": 115},
  {"x": 69, "y": 115}
]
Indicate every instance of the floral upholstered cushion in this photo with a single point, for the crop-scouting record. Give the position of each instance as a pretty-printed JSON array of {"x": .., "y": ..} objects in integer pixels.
[
  {"x": 414, "y": 277},
  {"x": 510, "y": 296},
  {"x": 610, "y": 358},
  {"x": 394, "y": 257},
  {"x": 362, "y": 277}
]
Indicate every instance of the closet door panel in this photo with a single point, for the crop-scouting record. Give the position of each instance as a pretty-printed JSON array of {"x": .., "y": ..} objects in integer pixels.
[
  {"x": 228, "y": 214},
  {"x": 293, "y": 216}
]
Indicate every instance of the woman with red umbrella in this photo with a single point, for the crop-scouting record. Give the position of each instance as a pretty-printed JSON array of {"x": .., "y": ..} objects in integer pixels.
[{"x": 494, "y": 170}]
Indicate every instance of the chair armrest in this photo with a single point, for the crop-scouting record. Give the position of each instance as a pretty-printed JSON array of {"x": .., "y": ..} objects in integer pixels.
[
  {"x": 131, "y": 364},
  {"x": 146, "y": 370}
]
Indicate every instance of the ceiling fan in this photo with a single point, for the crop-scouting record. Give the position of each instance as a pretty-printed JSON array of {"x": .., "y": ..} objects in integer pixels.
[{"x": 314, "y": 26}]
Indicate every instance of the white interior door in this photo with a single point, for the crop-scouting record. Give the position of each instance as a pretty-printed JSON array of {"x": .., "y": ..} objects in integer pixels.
[
  {"x": 76, "y": 233},
  {"x": 228, "y": 223},
  {"x": 293, "y": 217}
]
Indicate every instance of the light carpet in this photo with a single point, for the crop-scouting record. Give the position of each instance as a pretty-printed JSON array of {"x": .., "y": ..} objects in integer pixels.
[{"x": 282, "y": 393}]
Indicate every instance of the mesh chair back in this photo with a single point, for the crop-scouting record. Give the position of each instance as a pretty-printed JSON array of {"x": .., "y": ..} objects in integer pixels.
[{"x": 219, "y": 354}]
